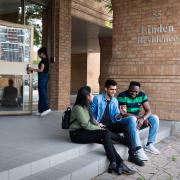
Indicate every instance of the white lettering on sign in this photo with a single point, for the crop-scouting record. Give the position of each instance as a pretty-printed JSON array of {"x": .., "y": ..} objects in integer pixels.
[{"x": 157, "y": 34}]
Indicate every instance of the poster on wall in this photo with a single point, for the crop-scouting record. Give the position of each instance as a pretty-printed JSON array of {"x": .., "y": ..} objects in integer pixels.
[{"x": 15, "y": 44}]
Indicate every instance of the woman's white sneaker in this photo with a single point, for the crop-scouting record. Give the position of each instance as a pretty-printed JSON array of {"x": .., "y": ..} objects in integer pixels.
[
  {"x": 151, "y": 148},
  {"x": 141, "y": 155},
  {"x": 37, "y": 113},
  {"x": 45, "y": 112}
]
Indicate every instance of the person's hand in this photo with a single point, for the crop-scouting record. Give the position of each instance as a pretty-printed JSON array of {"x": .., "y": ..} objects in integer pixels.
[
  {"x": 123, "y": 110},
  {"x": 147, "y": 123},
  {"x": 101, "y": 125},
  {"x": 31, "y": 69},
  {"x": 140, "y": 122}
]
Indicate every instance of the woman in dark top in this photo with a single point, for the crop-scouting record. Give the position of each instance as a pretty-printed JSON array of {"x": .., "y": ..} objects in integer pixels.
[
  {"x": 84, "y": 129},
  {"x": 43, "y": 69}
]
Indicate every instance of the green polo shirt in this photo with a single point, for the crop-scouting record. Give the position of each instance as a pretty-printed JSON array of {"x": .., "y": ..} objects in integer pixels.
[{"x": 133, "y": 105}]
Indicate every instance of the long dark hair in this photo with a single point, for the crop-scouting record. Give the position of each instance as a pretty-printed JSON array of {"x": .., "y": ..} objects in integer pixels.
[
  {"x": 82, "y": 96},
  {"x": 81, "y": 100},
  {"x": 43, "y": 50}
]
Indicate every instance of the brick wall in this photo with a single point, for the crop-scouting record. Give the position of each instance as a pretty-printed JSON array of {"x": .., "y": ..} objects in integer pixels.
[
  {"x": 146, "y": 48},
  {"x": 60, "y": 75},
  {"x": 105, "y": 60},
  {"x": 78, "y": 71}
]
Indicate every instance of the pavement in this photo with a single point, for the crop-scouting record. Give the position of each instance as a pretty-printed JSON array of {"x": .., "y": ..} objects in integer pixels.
[{"x": 165, "y": 166}]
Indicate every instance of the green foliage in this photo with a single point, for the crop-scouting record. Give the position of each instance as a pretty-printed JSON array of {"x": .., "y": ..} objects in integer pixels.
[
  {"x": 173, "y": 158},
  {"x": 140, "y": 178},
  {"x": 108, "y": 5},
  {"x": 33, "y": 17},
  {"x": 35, "y": 62}
]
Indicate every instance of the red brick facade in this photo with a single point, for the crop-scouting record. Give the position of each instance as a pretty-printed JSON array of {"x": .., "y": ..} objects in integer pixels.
[
  {"x": 146, "y": 48},
  {"x": 78, "y": 71},
  {"x": 60, "y": 76},
  {"x": 105, "y": 60}
]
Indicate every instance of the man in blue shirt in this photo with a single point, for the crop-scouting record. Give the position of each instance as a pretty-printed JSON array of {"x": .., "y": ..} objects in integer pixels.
[{"x": 106, "y": 111}]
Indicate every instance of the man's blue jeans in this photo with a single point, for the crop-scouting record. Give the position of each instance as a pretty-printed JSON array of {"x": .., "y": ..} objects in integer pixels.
[
  {"x": 43, "y": 95},
  {"x": 131, "y": 122}
]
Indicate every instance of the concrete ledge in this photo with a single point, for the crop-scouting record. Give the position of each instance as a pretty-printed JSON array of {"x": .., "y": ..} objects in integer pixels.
[{"x": 84, "y": 162}]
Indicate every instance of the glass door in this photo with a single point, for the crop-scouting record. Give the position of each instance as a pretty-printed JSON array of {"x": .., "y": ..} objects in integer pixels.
[{"x": 15, "y": 81}]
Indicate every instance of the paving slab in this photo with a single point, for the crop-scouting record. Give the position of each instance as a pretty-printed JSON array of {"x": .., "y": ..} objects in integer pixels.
[{"x": 165, "y": 166}]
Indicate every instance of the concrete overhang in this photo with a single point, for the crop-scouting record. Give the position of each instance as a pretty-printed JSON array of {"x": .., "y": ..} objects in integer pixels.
[{"x": 85, "y": 36}]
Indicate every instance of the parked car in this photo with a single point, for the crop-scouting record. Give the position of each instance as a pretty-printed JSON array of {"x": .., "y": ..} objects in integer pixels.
[{"x": 35, "y": 84}]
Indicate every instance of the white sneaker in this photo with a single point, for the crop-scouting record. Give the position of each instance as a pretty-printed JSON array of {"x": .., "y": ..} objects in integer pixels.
[
  {"x": 45, "y": 112},
  {"x": 141, "y": 155},
  {"x": 37, "y": 113},
  {"x": 151, "y": 148}
]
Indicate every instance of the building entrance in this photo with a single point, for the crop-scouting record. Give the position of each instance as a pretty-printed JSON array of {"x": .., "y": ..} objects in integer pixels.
[
  {"x": 15, "y": 80},
  {"x": 20, "y": 37}
]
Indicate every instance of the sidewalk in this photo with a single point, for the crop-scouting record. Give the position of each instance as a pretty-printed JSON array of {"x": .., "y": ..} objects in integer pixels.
[{"x": 165, "y": 166}]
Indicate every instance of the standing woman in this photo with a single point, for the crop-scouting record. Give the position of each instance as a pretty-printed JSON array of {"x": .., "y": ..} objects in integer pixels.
[
  {"x": 84, "y": 130},
  {"x": 43, "y": 69}
]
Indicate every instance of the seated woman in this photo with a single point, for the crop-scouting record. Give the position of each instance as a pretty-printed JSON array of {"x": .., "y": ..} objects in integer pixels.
[{"x": 87, "y": 130}]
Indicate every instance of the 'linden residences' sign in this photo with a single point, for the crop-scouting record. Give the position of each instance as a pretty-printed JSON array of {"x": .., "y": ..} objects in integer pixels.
[{"x": 157, "y": 34}]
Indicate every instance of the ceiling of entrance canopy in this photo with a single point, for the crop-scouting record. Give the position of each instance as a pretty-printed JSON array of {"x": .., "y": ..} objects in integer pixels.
[{"x": 85, "y": 36}]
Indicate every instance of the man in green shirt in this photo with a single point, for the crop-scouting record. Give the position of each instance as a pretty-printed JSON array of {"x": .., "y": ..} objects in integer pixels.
[{"x": 130, "y": 103}]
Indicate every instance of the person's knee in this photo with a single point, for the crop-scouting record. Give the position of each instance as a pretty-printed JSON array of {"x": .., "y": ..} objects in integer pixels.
[
  {"x": 106, "y": 136},
  {"x": 154, "y": 119},
  {"x": 106, "y": 133},
  {"x": 132, "y": 121}
]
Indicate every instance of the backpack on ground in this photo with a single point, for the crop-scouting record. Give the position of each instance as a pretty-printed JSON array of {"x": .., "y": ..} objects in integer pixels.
[{"x": 66, "y": 118}]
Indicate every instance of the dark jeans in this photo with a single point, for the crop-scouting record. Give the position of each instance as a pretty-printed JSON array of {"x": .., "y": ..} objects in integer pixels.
[
  {"x": 117, "y": 128},
  {"x": 43, "y": 95},
  {"x": 97, "y": 136}
]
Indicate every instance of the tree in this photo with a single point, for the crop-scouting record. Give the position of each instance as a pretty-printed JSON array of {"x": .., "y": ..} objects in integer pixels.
[
  {"x": 33, "y": 16},
  {"x": 108, "y": 4}
]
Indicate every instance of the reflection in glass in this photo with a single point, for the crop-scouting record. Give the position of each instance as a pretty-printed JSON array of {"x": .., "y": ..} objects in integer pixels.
[
  {"x": 14, "y": 93},
  {"x": 10, "y": 95}
]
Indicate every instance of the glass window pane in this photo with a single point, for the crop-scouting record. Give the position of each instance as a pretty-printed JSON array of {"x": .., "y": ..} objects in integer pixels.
[{"x": 14, "y": 93}]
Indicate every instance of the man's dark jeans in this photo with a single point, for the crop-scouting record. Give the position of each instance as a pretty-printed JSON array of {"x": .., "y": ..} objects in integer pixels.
[{"x": 117, "y": 128}]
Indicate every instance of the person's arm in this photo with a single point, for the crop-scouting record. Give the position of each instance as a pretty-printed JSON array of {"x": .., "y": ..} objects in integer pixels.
[
  {"x": 38, "y": 70},
  {"x": 83, "y": 119},
  {"x": 118, "y": 114},
  {"x": 94, "y": 106},
  {"x": 147, "y": 112}
]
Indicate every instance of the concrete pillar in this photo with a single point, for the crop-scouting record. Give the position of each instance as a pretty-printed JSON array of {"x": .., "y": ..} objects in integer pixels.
[
  {"x": 93, "y": 71},
  {"x": 60, "y": 75},
  {"x": 105, "y": 58}
]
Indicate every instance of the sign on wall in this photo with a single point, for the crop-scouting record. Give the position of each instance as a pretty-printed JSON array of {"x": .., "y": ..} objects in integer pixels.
[
  {"x": 15, "y": 44},
  {"x": 160, "y": 33}
]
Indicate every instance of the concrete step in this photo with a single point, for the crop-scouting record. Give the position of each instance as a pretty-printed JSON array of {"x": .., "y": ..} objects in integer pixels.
[{"x": 84, "y": 163}]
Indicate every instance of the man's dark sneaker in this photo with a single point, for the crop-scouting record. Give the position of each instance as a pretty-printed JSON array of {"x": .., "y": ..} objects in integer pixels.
[{"x": 134, "y": 159}]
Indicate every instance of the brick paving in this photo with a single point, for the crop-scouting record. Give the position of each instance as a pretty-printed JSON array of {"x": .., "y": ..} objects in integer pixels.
[{"x": 165, "y": 166}]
